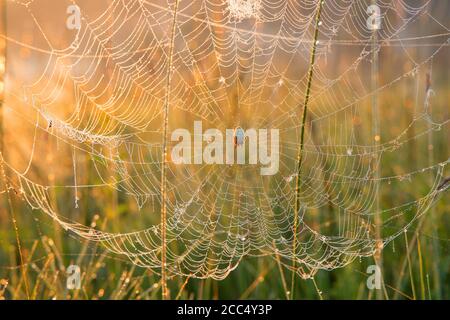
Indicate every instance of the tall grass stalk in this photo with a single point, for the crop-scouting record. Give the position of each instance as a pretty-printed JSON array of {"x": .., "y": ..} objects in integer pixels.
[
  {"x": 259, "y": 279},
  {"x": 302, "y": 139},
  {"x": 422, "y": 220},
  {"x": 3, "y": 34},
  {"x": 411, "y": 277},
  {"x": 165, "y": 293},
  {"x": 2, "y": 66},
  {"x": 180, "y": 292},
  {"x": 283, "y": 280},
  {"x": 422, "y": 280},
  {"x": 434, "y": 230},
  {"x": 378, "y": 256},
  {"x": 109, "y": 74}
]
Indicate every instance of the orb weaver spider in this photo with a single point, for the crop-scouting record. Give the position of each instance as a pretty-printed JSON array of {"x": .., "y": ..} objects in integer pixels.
[{"x": 239, "y": 137}]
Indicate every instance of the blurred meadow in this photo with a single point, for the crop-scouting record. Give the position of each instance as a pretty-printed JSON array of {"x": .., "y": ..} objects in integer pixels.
[{"x": 410, "y": 125}]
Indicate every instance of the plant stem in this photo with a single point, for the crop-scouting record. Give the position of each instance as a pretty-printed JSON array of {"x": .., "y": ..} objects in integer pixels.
[
  {"x": 302, "y": 138},
  {"x": 376, "y": 138},
  {"x": 422, "y": 281},
  {"x": 165, "y": 293},
  {"x": 3, "y": 33},
  {"x": 411, "y": 278}
]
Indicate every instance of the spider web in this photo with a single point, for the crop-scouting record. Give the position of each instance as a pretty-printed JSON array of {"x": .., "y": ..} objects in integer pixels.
[{"x": 100, "y": 99}]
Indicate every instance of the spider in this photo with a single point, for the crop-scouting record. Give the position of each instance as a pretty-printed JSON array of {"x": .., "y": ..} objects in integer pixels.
[{"x": 239, "y": 137}]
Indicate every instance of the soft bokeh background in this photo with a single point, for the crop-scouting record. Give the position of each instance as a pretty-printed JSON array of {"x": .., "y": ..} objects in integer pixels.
[{"x": 415, "y": 265}]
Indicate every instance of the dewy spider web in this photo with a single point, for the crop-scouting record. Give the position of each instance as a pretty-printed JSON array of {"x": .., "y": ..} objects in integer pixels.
[{"x": 102, "y": 100}]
